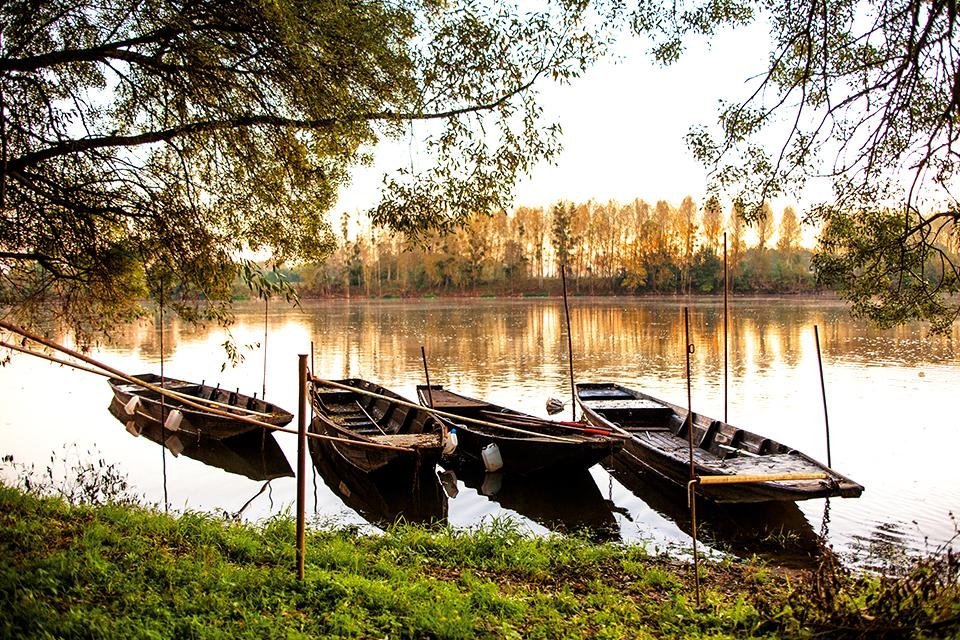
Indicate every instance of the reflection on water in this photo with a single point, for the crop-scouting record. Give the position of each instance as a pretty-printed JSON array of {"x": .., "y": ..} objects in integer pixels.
[
  {"x": 252, "y": 454},
  {"x": 563, "y": 502},
  {"x": 887, "y": 392},
  {"x": 381, "y": 499},
  {"x": 775, "y": 531}
]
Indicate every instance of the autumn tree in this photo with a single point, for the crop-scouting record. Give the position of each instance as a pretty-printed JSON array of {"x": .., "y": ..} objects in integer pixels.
[
  {"x": 871, "y": 95},
  {"x": 561, "y": 232},
  {"x": 788, "y": 235},
  {"x": 712, "y": 223},
  {"x": 147, "y": 146}
]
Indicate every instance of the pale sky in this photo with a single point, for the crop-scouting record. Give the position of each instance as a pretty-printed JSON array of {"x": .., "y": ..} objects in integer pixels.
[{"x": 623, "y": 125}]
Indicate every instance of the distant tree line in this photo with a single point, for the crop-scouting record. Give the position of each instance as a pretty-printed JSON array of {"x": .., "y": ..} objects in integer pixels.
[{"x": 606, "y": 248}]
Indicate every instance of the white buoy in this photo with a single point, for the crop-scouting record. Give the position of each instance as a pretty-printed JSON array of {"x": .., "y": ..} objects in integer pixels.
[
  {"x": 491, "y": 457},
  {"x": 172, "y": 423},
  {"x": 450, "y": 442},
  {"x": 131, "y": 406}
]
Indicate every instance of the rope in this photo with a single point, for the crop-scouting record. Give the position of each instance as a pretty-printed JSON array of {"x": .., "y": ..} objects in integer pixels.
[{"x": 437, "y": 412}]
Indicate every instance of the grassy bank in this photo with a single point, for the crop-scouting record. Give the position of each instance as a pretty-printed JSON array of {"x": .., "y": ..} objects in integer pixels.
[{"x": 125, "y": 571}]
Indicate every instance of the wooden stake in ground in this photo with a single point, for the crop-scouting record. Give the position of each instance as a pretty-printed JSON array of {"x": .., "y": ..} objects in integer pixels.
[
  {"x": 691, "y": 494},
  {"x": 566, "y": 311},
  {"x": 301, "y": 465}
]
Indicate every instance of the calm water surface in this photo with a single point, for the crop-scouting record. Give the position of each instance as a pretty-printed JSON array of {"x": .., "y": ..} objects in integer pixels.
[{"x": 892, "y": 421}]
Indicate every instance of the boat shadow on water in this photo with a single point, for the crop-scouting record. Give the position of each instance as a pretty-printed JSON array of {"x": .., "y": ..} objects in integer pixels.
[
  {"x": 565, "y": 502},
  {"x": 777, "y": 532},
  {"x": 382, "y": 499},
  {"x": 253, "y": 454}
]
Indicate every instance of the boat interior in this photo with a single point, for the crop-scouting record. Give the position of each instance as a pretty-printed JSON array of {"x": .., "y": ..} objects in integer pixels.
[
  {"x": 454, "y": 403},
  {"x": 638, "y": 413},
  {"x": 366, "y": 415},
  {"x": 201, "y": 391}
]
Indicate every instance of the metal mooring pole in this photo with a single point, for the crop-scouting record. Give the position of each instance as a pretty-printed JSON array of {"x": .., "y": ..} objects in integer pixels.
[
  {"x": 823, "y": 393},
  {"x": 566, "y": 310},
  {"x": 691, "y": 486},
  {"x": 302, "y": 467}
]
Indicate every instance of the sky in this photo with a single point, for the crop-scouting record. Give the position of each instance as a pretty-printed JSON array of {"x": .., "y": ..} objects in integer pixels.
[{"x": 623, "y": 124}]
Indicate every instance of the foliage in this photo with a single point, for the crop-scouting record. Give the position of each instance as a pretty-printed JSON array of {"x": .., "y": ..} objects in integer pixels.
[
  {"x": 76, "y": 478},
  {"x": 147, "y": 147},
  {"x": 607, "y": 248},
  {"x": 858, "y": 96},
  {"x": 918, "y": 597},
  {"x": 897, "y": 275}
]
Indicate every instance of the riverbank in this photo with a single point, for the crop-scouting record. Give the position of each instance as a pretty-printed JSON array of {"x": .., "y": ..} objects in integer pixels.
[{"x": 127, "y": 571}]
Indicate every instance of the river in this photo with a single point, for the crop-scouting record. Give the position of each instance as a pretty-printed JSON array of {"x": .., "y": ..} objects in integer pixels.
[{"x": 890, "y": 396}]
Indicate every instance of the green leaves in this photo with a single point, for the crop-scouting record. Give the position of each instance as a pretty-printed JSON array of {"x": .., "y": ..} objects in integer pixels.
[
  {"x": 191, "y": 134},
  {"x": 858, "y": 96},
  {"x": 895, "y": 266}
]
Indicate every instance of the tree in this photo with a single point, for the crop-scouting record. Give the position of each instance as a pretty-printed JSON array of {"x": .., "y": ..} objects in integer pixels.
[
  {"x": 871, "y": 91},
  {"x": 147, "y": 147},
  {"x": 788, "y": 236},
  {"x": 712, "y": 223},
  {"x": 764, "y": 225},
  {"x": 561, "y": 233}
]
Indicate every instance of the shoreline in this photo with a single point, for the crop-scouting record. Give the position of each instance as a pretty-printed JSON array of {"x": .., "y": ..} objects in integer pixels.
[{"x": 122, "y": 570}]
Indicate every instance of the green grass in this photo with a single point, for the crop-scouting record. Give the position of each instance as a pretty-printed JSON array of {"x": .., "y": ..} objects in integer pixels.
[{"x": 126, "y": 571}]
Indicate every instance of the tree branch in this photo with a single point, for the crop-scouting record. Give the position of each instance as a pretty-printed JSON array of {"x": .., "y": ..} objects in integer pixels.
[{"x": 206, "y": 126}]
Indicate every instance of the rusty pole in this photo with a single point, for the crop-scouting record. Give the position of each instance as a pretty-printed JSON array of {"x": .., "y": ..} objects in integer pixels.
[
  {"x": 823, "y": 393},
  {"x": 426, "y": 373},
  {"x": 725, "y": 322},
  {"x": 691, "y": 486},
  {"x": 301, "y": 466},
  {"x": 566, "y": 310}
]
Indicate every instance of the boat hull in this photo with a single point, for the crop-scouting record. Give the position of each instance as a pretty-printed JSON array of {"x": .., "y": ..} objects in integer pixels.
[
  {"x": 361, "y": 422},
  {"x": 659, "y": 444},
  {"x": 152, "y": 410},
  {"x": 558, "y": 449}
]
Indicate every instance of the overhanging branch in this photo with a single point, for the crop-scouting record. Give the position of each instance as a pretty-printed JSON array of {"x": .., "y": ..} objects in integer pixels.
[{"x": 165, "y": 135}]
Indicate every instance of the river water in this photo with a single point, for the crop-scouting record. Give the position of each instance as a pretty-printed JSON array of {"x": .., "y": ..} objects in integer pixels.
[{"x": 890, "y": 396}]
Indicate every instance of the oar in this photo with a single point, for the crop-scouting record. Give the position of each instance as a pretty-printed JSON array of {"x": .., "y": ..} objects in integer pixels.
[
  {"x": 444, "y": 414},
  {"x": 559, "y": 424},
  {"x": 111, "y": 372},
  {"x": 370, "y": 418},
  {"x": 212, "y": 410}
]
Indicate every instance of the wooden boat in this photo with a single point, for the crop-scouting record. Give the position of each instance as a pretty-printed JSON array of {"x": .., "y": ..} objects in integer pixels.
[
  {"x": 254, "y": 454},
  {"x": 659, "y": 443},
  {"x": 194, "y": 421},
  {"x": 526, "y": 444},
  {"x": 412, "y": 436}
]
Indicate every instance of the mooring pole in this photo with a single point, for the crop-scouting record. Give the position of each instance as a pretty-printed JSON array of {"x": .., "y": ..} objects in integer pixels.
[
  {"x": 426, "y": 373},
  {"x": 566, "y": 311},
  {"x": 725, "y": 313},
  {"x": 163, "y": 409},
  {"x": 266, "y": 307},
  {"x": 823, "y": 393},
  {"x": 691, "y": 485},
  {"x": 689, "y": 349},
  {"x": 302, "y": 467}
]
